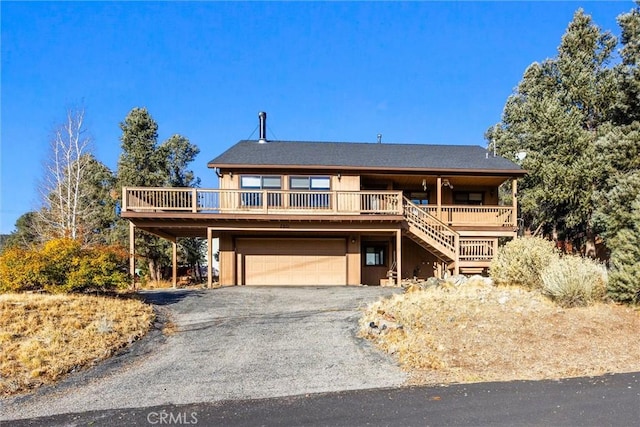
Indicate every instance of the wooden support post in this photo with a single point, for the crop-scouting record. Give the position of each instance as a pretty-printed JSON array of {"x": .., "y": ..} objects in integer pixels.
[
  {"x": 194, "y": 201},
  {"x": 132, "y": 254},
  {"x": 174, "y": 260},
  {"x": 456, "y": 266},
  {"x": 209, "y": 258},
  {"x": 399, "y": 256},
  {"x": 123, "y": 207},
  {"x": 514, "y": 195},
  {"x": 439, "y": 198}
]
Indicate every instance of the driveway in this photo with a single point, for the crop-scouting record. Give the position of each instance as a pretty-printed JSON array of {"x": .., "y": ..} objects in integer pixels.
[{"x": 230, "y": 343}]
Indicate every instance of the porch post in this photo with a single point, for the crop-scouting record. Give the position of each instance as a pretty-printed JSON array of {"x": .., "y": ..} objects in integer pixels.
[
  {"x": 174, "y": 259},
  {"x": 209, "y": 259},
  {"x": 456, "y": 266},
  {"x": 399, "y": 256},
  {"x": 439, "y": 197},
  {"x": 514, "y": 196},
  {"x": 132, "y": 254}
]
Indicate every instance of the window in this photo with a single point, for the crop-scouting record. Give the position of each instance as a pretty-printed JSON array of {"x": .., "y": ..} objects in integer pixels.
[
  {"x": 312, "y": 184},
  {"x": 374, "y": 255},
  {"x": 261, "y": 183},
  {"x": 468, "y": 198}
]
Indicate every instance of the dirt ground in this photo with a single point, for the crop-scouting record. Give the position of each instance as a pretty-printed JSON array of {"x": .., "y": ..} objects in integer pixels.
[{"x": 480, "y": 332}]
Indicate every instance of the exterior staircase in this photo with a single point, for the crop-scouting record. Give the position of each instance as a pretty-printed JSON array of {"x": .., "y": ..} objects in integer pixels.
[
  {"x": 433, "y": 235},
  {"x": 467, "y": 255}
]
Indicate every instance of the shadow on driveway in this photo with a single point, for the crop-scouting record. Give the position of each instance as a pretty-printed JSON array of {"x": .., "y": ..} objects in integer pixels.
[{"x": 169, "y": 296}]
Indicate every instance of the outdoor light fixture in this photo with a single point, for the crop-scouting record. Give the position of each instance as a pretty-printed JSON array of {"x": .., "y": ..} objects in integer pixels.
[{"x": 446, "y": 183}]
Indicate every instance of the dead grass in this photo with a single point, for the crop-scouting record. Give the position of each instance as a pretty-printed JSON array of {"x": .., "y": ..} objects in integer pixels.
[
  {"x": 44, "y": 337},
  {"x": 480, "y": 332}
]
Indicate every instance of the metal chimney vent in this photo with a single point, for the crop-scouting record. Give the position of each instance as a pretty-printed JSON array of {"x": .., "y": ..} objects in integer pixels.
[{"x": 262, "y": 116}]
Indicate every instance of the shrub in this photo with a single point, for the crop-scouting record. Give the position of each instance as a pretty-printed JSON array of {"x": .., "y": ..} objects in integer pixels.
[
  {"x": 521, "y": 261},
  {"x": 61, "y": 258},
  {"x": 102, "y": 267},
  {"x": 63, "y": 265},
  {"x": 574, "y": 281},
  {"x": 20, "y": 270}
]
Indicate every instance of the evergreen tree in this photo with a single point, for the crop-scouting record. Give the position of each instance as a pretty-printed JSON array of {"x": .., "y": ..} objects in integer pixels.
[
  {"x": 618, "y": 153},
  {"x": 628, "y": 106},
  {"x": 624, "y": 277},
  {"x": 145, "y": 163},
  {"x": 555, "y": 116},
  {"x": 24, "y": 235}
]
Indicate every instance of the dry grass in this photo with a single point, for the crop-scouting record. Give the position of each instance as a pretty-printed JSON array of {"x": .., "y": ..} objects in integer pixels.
[
  {"x": 44, "y": 337},
  {"x": 481, "y": 332}
]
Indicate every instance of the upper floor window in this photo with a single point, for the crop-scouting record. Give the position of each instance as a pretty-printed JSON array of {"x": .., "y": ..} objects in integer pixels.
[
  {"x": 310, "y": 183},
  {"x": 313, "y": 184},
  {"x": 273, "y": 182},
  {"x": 468, "y": 198},
  {"x": 258, "y": 182}
]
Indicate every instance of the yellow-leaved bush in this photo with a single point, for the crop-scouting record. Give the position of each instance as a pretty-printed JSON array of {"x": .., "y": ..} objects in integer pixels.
[{"x": 63, "y": 265}]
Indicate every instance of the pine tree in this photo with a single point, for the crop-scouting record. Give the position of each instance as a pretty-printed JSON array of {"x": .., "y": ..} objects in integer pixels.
[
  {"x": 624, "y": 277},
  {"x": 145, "y": 163},
  {"x": 555, "y": 116}
]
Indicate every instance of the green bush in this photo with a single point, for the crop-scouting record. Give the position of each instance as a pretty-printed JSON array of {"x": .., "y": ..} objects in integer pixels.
[
  {"x": 521, "y": 261},
  {"x": 574, "y": 281},
  {"x": 624, "y": 277},
  {"x": 63, "y": 265}
]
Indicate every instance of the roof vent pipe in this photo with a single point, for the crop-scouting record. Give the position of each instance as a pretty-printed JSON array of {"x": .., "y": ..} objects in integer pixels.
[
  {"x": 263, "y": 127},
  {"x": 379, "y": 138}
]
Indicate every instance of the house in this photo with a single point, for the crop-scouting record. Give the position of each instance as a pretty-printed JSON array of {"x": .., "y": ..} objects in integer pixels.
[{"x": 338, "y": 213}]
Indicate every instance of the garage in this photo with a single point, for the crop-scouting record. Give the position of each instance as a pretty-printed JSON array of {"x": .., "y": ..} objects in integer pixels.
[{"x": 290, "y": 262}]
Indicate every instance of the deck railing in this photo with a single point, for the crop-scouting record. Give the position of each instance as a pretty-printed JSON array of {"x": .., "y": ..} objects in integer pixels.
[
  {"x": 432, "y": 230},
  {"x": 146, "y": 199},
  {"x": 497, "y": 216},
  {"x": 202, "y": 200},
  {"x": 477, "y": 249}
]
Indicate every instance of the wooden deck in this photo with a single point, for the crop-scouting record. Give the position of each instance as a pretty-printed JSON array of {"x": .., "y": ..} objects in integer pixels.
[{"x": 164, "y": 201}]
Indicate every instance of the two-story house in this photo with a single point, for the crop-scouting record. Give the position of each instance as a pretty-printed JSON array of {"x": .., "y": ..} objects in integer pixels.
[{"x": 337, "y": 213}]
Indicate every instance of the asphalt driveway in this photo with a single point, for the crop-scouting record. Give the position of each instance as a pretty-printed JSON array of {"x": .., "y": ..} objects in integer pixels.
[{"x": 230, "y": 343}]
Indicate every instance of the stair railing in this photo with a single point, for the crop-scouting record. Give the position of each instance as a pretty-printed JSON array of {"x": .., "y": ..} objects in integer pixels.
[{"x": 434, "y": 229}]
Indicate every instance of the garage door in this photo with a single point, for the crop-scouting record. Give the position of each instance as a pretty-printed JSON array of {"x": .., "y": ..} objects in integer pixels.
[{"x": 283, "y": 262}]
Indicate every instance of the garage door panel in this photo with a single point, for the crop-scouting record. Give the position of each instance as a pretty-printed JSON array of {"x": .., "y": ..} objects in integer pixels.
[{"x": 293, "y": 262}]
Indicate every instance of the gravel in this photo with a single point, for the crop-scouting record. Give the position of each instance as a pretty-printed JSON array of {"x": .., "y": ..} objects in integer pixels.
[{"x": 230, "y": 343}]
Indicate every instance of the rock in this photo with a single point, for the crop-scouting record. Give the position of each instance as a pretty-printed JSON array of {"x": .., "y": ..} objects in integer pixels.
[
  {"x": 383, "y": 327},
  {"x": 476, "y": 279},
  {"x": 433, "y": 281},
  {"x": 457, "y": 280}
]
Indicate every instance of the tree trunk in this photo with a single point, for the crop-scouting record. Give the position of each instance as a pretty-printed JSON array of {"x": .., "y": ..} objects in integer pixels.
[
  {"x": 153, "y": 274},
  {"x": 590, "y": 245}
]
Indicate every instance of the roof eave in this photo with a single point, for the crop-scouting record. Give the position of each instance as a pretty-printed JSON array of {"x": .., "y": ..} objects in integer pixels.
[{"x": 458, "y": 171}]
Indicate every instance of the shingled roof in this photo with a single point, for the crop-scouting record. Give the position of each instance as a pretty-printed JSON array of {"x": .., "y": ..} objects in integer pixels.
[{"x": 332, "y": 155}]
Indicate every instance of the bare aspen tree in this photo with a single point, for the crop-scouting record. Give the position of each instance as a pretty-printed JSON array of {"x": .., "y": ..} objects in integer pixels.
[{"x": 62, "y": 187}]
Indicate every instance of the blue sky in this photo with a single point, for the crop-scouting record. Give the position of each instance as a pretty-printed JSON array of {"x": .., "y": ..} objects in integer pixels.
[{"x": 417, "y": 72}]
